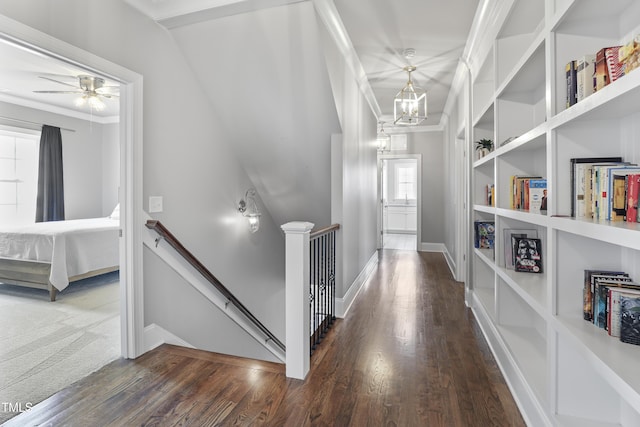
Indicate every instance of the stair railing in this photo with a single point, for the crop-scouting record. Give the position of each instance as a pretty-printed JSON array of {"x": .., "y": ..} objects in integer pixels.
[{"x": 165, "y": 234}]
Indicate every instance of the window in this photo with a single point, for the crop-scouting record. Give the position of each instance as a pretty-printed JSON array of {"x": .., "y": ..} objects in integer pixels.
[
  {"x": 406, "y": 182},
  {"x": 18, "y": 176}
]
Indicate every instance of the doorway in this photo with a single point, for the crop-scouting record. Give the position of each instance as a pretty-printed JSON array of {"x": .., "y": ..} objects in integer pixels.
[
  {"x": 399, "y": 190},
  {"x": 129, "y": 194}
]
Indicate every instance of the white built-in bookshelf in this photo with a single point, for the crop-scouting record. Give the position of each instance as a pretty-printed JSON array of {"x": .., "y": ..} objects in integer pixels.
[{"x": 561, "y": 369}]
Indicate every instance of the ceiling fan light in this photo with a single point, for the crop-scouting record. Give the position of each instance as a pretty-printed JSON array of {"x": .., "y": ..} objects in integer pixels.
[{"x": 410, "y": 104}]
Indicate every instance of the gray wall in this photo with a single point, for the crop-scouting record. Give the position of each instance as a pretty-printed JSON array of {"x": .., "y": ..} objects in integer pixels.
[
  {"x": 435, "y": 175},
  {"x": 354, "y": 170},
  {"x": 87, "y": 176}
]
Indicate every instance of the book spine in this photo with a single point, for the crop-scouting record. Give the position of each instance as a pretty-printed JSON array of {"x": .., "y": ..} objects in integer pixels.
[
  {"x": 632, "y": 197},
  {"x": 571, "y": 83}
]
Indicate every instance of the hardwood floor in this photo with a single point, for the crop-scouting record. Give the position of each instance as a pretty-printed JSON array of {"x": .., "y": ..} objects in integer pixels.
[{"x": 408, "y": 354}]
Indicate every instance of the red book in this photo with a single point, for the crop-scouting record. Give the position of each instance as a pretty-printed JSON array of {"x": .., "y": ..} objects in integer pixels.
[
  {"x": 607, "y": 67},
  {"x": 633, "y": 188}
]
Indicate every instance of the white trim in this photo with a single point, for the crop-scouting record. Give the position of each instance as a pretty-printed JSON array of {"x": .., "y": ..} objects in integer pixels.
[
  {"x": 432, "y": 247},
  {"x": 155, "y": 336},
  {"x": 344, "y": 304},
  {"x": 131, "y": 276},
  {"x": 450, "y": 262},
  {"x": 380, "y": 222}
]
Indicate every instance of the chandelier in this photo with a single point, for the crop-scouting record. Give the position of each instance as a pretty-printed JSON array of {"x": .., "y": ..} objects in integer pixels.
[{"x": 410, "y": 104}]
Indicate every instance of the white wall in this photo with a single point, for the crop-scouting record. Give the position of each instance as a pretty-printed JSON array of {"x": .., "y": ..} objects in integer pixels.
[
  {"x": 110, "y": 167},
  {"x": 186, "y": 158},
  {"x": 86, "y": 177}
]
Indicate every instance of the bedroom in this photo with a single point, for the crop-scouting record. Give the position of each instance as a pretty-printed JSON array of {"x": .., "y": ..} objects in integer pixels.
[{"x": 87, "y": 312}]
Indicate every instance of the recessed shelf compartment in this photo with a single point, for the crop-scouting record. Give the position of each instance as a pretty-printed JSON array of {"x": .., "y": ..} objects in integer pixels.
[
  {"x": 524, "y": 333},
  {"x": 484, "y": 280},
  {"x": 576, "y": 254},
  {"x": 520, "y": 104},
  {"x": 529, "y": 160},
  {"x": 597, "y": 379},
  {"x": 524, "y": 23},
  {"x": 484, "y": 125},
  {"x": 585, "y": 139},
  {"x": 484, "y": 86},
  {"x": 584, "y": 29},
  {"x": 483, "y": 177}
]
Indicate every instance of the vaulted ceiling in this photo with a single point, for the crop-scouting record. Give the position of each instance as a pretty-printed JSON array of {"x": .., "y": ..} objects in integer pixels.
[{"x": 379, "y": 35}]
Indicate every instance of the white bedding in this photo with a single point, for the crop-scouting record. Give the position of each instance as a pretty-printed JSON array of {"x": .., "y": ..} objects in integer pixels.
[{"x": 72, "y": 247}]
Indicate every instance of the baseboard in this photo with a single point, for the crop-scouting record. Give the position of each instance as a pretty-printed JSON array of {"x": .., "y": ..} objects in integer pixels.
[
  {"x": 432, "y": 247},
  {"x": 155, "y": 335},
  {"x": 344, "y": 304},
  {"x": 525, "y": 398},
  {"x": 450, "y": 262}
]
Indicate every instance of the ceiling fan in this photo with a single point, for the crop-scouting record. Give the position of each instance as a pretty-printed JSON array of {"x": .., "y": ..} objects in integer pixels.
[{"x": 90, "y": 88}]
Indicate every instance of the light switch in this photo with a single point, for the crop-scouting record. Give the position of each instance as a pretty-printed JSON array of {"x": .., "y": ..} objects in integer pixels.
[{"x": 155, "y": 204}]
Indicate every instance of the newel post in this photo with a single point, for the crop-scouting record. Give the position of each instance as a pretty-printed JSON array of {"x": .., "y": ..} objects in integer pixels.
[{"x": 297, "y": 298}]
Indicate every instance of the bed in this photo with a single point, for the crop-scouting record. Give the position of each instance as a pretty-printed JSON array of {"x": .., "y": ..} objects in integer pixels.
[{"x": 50, "y": 255}]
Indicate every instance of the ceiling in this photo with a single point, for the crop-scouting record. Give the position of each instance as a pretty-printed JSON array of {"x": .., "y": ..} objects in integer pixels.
[
  {"x": 377, "y": 36},
  {"x": 28, "y": 71}
]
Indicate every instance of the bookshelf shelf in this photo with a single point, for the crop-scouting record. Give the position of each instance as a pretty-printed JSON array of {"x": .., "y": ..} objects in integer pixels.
[
  {"x": 485, "y": 209},
  {"x": 562, "y": 369},
  {"x": 532, "y": 288},
  {"x": 524, "y": 216},
  {"x": 528, "y": 349},
  {"x": 616, "y": 360}
]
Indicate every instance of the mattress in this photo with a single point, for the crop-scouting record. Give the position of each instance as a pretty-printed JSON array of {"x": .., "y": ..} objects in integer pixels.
[{"x": 72, "y": 247}]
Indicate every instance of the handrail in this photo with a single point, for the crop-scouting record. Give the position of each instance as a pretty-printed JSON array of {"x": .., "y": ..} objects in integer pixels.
[
  {"x": 157, "y": 226},
  {"x": 324, "y": 230}
]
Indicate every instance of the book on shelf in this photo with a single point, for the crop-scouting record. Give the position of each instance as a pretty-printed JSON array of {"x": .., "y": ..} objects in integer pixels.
[
  {"x": 572, "y": 82},
  {"x": 630, "y": 319},
  {"x": 633, "y": 192},
  {"x": 537, "y": 196},
  {"x": 618, "y": 188},
  {"x": 608, "y": 68},
  {"x": 509, "y": 253},
  {"x": 484, "y": 234},
  {"x": 528, "y": 254},
  {"x": 601, "y": 294},
  {"x": 519, "y": 191},
  {"x": 588, "y": 289},
  {"x": 600, "y": 189},
  {"x": 586, "y": 67},
  {"x": 580, "y": 178},
  {"x": 613, "y": 304},
  {"x": 607, "y": 185},
  {"x": 629, "y": 56},
  {"x": 490, "y": 195}
]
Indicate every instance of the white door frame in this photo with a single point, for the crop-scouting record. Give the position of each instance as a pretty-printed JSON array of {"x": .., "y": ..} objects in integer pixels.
[
  {"x": 132, "y": 216},
  {"x": 418, "y": 158}
]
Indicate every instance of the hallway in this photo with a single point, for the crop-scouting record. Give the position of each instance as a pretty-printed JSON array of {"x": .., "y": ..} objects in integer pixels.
[{"x": 408, "y": 354}]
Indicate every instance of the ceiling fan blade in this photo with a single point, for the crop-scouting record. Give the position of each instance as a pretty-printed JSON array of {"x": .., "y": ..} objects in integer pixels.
[
  {"x": 57, "y": 91},
  {"x": 57, "y": 81}
]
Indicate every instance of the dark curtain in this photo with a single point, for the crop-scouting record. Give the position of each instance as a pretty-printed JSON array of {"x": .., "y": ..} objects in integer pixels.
[{"x": 50, "y": 203}]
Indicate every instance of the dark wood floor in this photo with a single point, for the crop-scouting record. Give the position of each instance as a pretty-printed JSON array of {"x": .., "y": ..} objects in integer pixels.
[{"x": 408, "y": 354}]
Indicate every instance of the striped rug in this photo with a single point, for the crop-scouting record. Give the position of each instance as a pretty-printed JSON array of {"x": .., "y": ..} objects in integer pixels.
[{"x": 46, "y": 346}]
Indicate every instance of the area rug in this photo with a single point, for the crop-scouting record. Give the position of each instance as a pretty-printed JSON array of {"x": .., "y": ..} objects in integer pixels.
[{"x": 46, "y": 346}]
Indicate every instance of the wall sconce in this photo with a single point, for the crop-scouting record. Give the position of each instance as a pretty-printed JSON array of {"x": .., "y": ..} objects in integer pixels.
[
  {"x": 249, "y": 209},
  {"x": 383, "y": 140}
]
